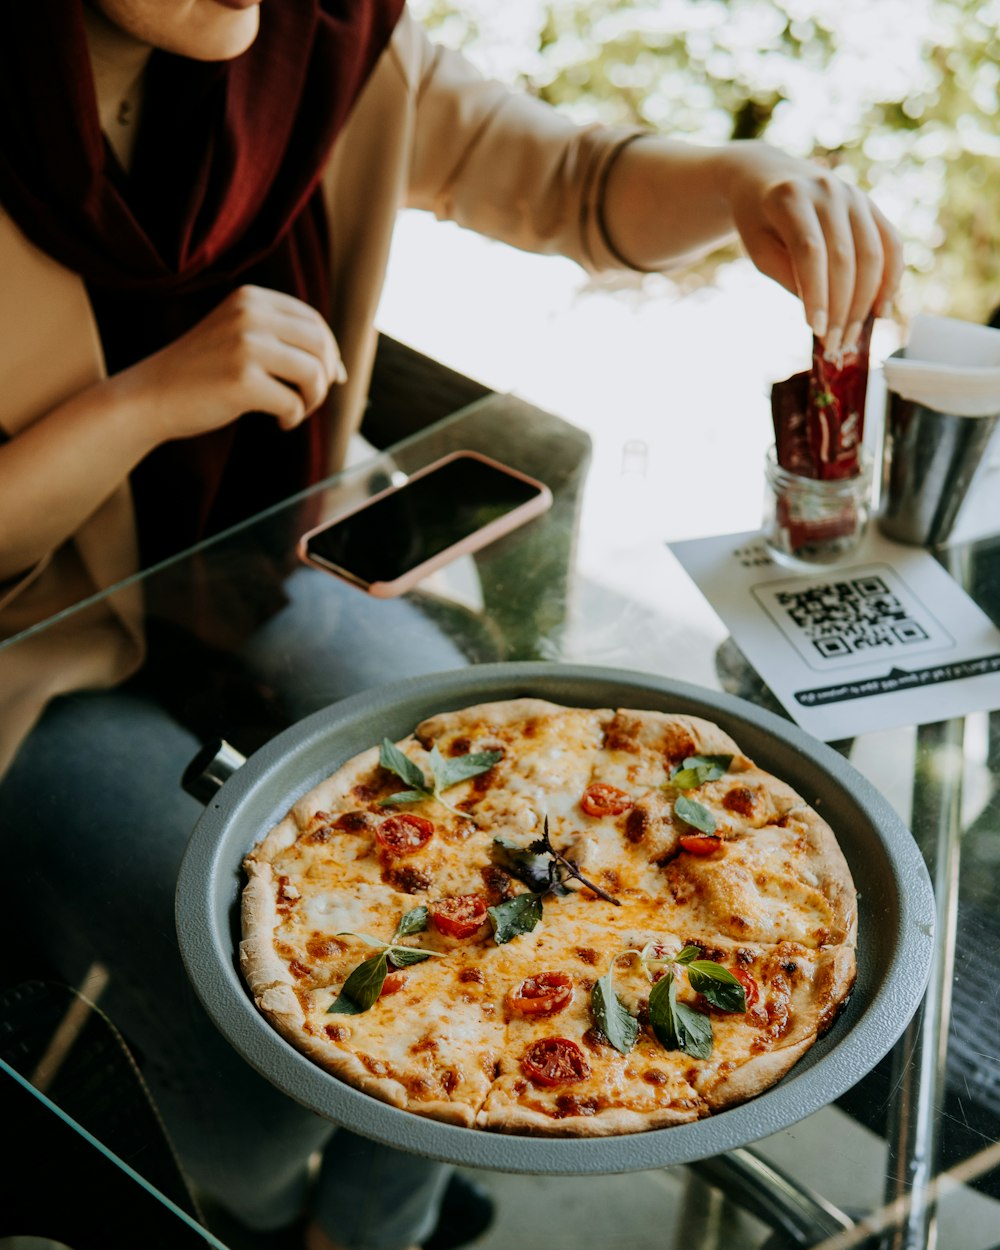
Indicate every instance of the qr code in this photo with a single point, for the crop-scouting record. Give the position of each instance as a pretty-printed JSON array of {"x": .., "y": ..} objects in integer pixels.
[{"x": 869, "y": 615}]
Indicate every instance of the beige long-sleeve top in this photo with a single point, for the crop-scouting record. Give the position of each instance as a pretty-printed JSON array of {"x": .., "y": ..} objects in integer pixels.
[{"x": 427, "y": 132}]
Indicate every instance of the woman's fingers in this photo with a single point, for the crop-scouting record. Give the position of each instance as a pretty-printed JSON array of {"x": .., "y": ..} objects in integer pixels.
[
  {"x": 290, "y": 356},
  {"x": 312, "y": 335},
  {"x": 892, "y": 273},
  {"x": 301, "y": 325},
  {"x": 283, "y": 402},
  {"x": 284, "y": 363},
  {"x": 294, "y": 322},
  {"x": 814, "y": 225},
  {"x": 842, "y": 268},
  {"x": 869, "y": 269},
  {"x": 791, "y": 212},
  {"x": 824, "y": 240}
]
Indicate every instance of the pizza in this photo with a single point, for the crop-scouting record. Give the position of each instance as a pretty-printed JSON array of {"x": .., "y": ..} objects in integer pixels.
[{"x": 558, "y": 920}]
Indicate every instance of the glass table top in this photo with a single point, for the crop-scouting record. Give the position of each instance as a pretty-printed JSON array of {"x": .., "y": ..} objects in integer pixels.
[{"x": 244, "y": 640}]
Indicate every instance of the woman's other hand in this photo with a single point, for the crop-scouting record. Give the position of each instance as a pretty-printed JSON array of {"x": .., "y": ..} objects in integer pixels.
[{"x": 258, "y": 351}]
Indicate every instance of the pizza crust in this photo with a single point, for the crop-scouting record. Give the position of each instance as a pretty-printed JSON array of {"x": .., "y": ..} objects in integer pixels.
[
  {"x": 266, "y": 975},
  {"x": 757, "y": 1075},
  {"x": 484, "y": 716},
  {"x": 331, "y": 794},
  {"x": 607, "y": 1123}
]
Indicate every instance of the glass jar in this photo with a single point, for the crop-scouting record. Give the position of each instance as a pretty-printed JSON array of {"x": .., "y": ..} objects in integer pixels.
[{"x": 811, "y": 521}]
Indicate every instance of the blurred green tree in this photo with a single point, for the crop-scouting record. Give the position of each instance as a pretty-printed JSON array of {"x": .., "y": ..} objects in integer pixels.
[{"x": 901, "y": 95}]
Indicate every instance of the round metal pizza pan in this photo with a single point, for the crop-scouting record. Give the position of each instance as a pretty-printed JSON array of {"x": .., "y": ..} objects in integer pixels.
[{"x": 896, "y": 912}]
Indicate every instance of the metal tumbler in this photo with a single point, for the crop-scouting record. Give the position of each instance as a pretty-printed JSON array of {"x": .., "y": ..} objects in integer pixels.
[{"x": 929, "y": 460}]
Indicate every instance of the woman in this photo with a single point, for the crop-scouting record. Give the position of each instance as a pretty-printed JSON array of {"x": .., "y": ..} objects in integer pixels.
[{"x": 197, "y": 210}]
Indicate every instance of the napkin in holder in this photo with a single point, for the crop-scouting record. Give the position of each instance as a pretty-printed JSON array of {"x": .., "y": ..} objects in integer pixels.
[{"x": 943, "y": 401}]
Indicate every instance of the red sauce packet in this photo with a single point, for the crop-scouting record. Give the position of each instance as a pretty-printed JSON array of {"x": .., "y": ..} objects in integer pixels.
[{"x": 819, "y": 415}]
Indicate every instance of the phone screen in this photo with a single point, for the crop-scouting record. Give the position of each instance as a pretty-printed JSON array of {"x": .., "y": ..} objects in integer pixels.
[{"x": 385, "y": 539}]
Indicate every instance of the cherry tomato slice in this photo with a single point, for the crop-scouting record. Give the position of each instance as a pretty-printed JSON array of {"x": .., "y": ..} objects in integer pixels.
[
  {"x": 555, "y": 1061},
  {"x": 459, "y": 915},
  {"x": 750, "y": 987},
  {"x": 404, "y": 835},
  {"x": 700, "y": 844},
  {"x": 602, "y": 799},
  {"x": 393, "y": 983},
  {"x": 543, "y": 995}
]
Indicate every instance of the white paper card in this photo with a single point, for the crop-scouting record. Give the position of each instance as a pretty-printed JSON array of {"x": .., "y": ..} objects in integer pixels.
[{"x": 888, "y": 639}]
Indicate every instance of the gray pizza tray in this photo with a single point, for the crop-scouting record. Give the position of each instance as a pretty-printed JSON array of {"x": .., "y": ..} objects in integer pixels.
[{"x": 896, "y": 912}]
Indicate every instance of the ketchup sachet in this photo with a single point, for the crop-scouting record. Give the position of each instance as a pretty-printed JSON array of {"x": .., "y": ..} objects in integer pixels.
[{"x": 819, "y": 415}]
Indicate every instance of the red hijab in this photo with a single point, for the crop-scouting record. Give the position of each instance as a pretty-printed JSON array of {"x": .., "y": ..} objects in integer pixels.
[{"x": 223, "y": 190}]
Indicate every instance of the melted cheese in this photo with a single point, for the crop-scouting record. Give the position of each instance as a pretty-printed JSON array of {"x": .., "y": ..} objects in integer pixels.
[{"x": 358, "y": 908}]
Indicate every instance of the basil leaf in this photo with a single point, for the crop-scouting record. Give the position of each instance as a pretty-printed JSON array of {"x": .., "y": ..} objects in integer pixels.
[
  {"x": 612, "y": 1016},
  {"x": 525, "y": 863},
  {"x": 686, "y": 778},
  {"x": 695, "y": 814},
  {"x": 697, "y": 769},
  {"x": 404, "y": 956},
  {"x": 392, "y": 758},
  {"x": 661, "y": 1011},
  {"x": 365, "y": 937},
  {"x": 449, "y": 772},
  {"x": 676, "y": 1026},
  {"x": 406, "y": 796},
  {"x": 361, "y": 989},
  {"x": 515, "y": 916},
  {"x": 694, "y": 1031},
  {"x": 714, "y": 765},
  {"x": 415, "y": 921},
  {"x": 687, "y": 954},
  {"x": 718, "y": 985}
]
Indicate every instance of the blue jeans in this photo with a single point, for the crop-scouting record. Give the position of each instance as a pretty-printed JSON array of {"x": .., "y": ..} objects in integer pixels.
[{"x": 93, "y": 815}]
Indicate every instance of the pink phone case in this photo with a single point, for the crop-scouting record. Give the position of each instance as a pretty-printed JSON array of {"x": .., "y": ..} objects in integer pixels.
[{"x": 541, "y": 502}]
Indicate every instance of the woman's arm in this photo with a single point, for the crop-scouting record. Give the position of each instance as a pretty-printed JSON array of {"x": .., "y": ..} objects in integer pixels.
[
  {"x": 259, "y": 351},
  {"x": 822, "y": 239},
  {"x": 60, "y": 469},
  {"x": 511, "y": 167}
]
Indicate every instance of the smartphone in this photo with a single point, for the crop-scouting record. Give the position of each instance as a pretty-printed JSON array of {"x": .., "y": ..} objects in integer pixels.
[{"x": 454, "y": 506}]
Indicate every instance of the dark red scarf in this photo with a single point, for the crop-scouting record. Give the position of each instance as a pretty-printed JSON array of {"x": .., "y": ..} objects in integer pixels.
[{"x": 223, "y": 190}]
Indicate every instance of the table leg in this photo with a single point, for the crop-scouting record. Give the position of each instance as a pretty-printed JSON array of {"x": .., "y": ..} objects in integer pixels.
[
  {"x": 758, "y": 1186},
  {"x": 921, "y": 1054}
]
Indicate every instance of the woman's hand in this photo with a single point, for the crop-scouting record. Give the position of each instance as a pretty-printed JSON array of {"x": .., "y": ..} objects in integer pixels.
[
  {"x": 258, "y": 351},
  {"x": 821, "y": 238}
]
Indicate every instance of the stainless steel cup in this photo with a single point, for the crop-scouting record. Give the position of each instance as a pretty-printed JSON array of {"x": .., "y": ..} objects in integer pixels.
[{"x": 929, "y": 460}]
